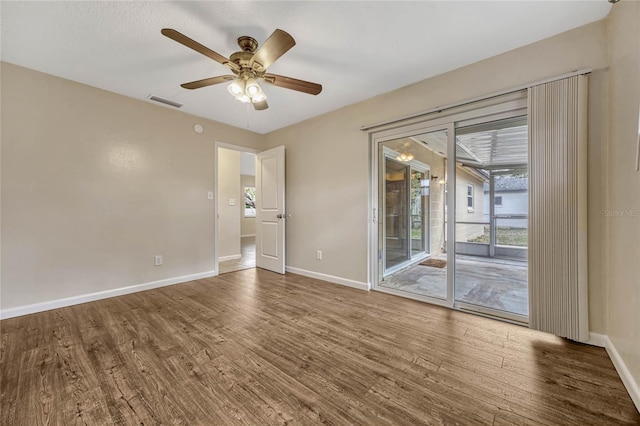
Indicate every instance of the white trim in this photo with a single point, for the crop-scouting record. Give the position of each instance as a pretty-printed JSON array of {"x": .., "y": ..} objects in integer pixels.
[
  {"x": 493, "y": 313},
  {"x": 629, "y": 382},
  {"x": 247, "y": 235},
  {"x": 599, "y": 340},
  {"x": 624, "y": 373},
  {"x": 91, "y": 297},
  {"x": 330, "y": 278},
  {"x": 414, "y": 296},
  {"x": 230, "y": 257}
]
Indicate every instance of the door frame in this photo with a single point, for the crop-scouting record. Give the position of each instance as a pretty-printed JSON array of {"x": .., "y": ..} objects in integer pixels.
[
  {"x": 376, "y": 139},
  {"x": 486, "y": 110},
  {"x": 216, "y": 215},
  {"x": 390, "y": 154}
]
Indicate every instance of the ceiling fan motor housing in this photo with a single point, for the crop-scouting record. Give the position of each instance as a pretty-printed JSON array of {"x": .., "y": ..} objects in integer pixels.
[{"x": 241, "y": 58}]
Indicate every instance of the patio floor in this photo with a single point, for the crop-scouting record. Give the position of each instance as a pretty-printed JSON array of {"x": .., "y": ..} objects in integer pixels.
[{"x": 494, "y": 283}]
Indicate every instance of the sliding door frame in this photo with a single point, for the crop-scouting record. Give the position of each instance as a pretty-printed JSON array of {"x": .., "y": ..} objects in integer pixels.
[
  {"x": 492, "y": 109},
  {"x": 376, "y": 256}
]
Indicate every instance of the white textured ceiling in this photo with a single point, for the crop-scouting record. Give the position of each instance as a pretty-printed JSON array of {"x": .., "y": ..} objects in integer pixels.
[{"x": 356, "y": 50}]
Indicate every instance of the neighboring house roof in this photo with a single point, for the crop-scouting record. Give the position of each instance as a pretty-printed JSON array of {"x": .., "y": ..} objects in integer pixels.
[{"x": 509, "y": 184}]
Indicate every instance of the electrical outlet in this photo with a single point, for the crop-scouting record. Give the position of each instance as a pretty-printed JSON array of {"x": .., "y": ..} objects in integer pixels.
[
  {"x": 210, "y": 195},
  {"x": 158, "y": 260},
  {"x": 318, "y": 254}
]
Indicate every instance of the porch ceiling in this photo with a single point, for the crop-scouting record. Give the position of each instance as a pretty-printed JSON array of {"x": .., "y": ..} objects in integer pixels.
[{"x": 493, "y": 145}]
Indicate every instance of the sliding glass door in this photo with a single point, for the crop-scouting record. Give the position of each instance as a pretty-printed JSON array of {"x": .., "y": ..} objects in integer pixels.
[
  {"x": 491, "y": 218},
  {"x": 450, "y": 219},
  {"x": 412, "y": 256}
]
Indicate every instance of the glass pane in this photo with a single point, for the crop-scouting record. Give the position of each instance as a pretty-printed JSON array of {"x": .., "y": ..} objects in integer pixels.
[
  {"x": 395, "y": 213},
  {"x": 421, "y": 160},
  {"x": 419, "y": 196},
  {"x": 491, "y": 216}
]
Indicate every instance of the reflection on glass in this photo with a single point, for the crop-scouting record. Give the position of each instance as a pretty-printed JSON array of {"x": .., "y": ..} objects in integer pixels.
[
  {"x": 396, "y": 213},
  {"x": 412, "y": 229},
  {"x": 419, "y": 194}
]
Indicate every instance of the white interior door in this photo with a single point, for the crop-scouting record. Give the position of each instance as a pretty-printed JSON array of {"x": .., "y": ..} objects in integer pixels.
[{"x": 270, "y": 210}]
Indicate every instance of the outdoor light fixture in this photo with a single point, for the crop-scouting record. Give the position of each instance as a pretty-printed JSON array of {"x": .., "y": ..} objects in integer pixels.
[
  {"x": 246, "y": 90},
  {"x": 405, "y": 157}
]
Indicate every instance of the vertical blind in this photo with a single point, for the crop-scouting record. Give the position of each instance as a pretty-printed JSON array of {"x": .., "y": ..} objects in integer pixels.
[{"x": 558, "y": 208}]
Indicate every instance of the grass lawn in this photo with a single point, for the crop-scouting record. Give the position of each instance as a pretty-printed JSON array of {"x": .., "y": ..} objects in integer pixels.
[{"x": 505, "y": 236}]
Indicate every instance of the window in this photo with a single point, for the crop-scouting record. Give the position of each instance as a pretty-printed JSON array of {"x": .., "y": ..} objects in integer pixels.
[
  {"x": 498, "y": 201},
  {"x": 469, "y": 196},
  {"x": 249, "y": 201}
]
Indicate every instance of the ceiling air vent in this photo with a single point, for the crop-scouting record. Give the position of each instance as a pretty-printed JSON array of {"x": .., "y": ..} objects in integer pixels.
[{"x": 165, "y": 101}]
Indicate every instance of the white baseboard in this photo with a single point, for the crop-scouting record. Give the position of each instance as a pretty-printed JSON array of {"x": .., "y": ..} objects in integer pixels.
[
  {"x": 247, "y": 235},
  {"x": 596, "y": 339},
  {"x": 91, "y": 297},
  {"x": 330, "y": 278},
  {"x": 230, "y": 257},
  {"x": 629, "y": 382},
  {"x": 624, "y": 373}
]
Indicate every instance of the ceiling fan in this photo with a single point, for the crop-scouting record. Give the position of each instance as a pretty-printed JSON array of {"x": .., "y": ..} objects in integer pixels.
[{"x": 248, "y": 66}]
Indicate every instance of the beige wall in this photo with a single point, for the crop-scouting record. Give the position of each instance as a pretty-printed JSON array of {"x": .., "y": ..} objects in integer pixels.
[
  {"x": 328, "y": 156},
  {"x": 229, "y": 215},
  {"x": 622, "y": 209},
  {"x": 466, "y": 232},
  {"x": 596, "y": 197},
  {"x": 95, "y": 184},
  {"x": 247, "y": 224}
]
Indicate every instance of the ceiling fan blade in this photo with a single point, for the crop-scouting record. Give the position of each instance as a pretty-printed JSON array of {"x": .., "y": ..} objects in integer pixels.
[
  {"x": 207, "y": 82},
  {"x": 293, "y": 84},
  {"x": 276, "y": 45},
  {"x": 259, "y": 106},
  {"x": 192, "y": 44}
]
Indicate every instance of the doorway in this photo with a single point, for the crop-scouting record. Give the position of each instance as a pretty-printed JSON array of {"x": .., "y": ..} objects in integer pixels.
[
  {"x": 450, "y": 201},
  {"x": 236, "y": 210},
  {"x": 249, "y": 206},
  {"x": 405, "y": 203}
]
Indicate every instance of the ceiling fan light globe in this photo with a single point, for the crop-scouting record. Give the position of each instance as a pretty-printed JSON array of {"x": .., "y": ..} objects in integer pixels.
[
  {"x": 253, "y": 88},
  {"x": 244, "y": 98},
  {"x": 259, "y": 97},
  {"x": 236, "y": 88}
]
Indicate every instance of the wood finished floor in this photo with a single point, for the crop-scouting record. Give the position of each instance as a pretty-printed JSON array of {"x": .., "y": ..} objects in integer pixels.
[
  {"x": 257, "y": 348},
  {"x": 247, "y": 259}
]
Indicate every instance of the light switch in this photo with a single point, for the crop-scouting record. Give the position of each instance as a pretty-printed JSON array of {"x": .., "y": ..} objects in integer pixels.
[
  {"x": 232, "y": 201},
  {"x": 210, "y": 195}
]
